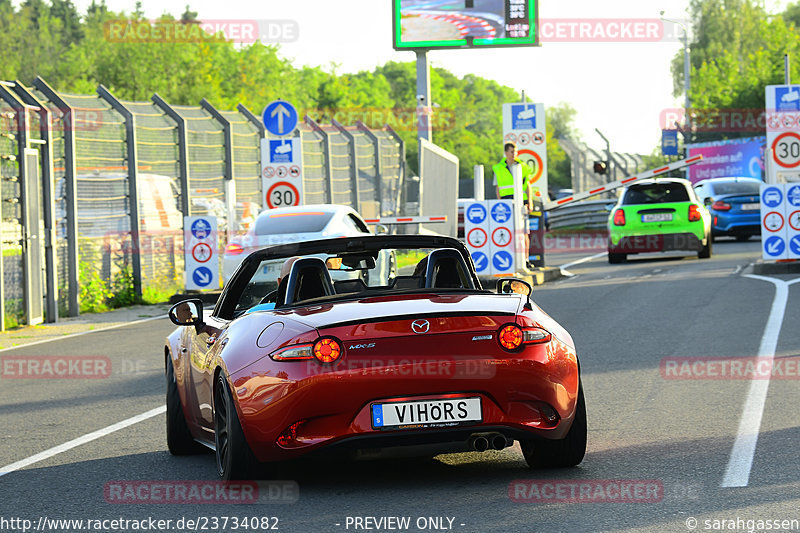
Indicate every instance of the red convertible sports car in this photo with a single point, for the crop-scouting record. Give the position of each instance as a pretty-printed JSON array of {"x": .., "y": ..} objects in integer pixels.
[{"x": 424, "y": 362}]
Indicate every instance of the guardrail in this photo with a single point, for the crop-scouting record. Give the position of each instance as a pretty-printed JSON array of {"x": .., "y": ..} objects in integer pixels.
[{"x": 589, "y": 214}]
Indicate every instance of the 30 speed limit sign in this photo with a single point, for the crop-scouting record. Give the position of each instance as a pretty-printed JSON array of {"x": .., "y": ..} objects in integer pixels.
[
  {"x": 282, "y": 194},
  {"x": 786, "y": 149}
]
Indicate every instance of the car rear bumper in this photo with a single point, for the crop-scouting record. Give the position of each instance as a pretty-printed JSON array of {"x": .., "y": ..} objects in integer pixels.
[
  {"x": 335, "y": 408},
  {"x": 736, "y": 225},
  {"x": 667, "y": 242}
]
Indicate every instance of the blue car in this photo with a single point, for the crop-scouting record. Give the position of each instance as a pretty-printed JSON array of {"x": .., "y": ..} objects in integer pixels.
[{"x": 734, "y": 204}]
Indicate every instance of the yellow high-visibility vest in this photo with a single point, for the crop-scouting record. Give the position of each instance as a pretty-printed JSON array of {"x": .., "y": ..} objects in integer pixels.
[{"x": 505, "y": 181}]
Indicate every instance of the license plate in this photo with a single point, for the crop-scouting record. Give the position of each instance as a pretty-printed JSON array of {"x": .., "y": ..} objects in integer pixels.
[
  {"x": 426, "y": 413},
  {"x": 657, "y": 217},
  {"x": 272, "y": 269},
  {"x": 751, "y": 207}
]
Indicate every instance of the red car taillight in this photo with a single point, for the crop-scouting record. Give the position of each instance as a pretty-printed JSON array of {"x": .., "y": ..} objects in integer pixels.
[
  {"x": 719, "y": 205},
  {"x": 327, "y": 350},
  {"x": 297, "y": 352},
  {"x": 289, "y": 435},
  {"x": 619, "y": 217},
  {"x": 511, "y": 336},
  {"x": 694, "y": 213},
  {"x": 234, "y": 249}
]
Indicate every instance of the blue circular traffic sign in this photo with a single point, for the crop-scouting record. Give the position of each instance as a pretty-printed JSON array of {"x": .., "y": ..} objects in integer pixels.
[
  {"x": 480, "y": 260},
  {"x": 280, "y": 118},
  {"x": 794, "y": 245},
  {"x": 476, "y": 213},
  {"x": 501, "y": 212},
  {"x": 502, "y": 260},
  {"x": 772, "y": 197},
  {"x": 793, "y": 195},
  {"x": 201, "y": 228},
  {"x": 202, "y": 276},
  {"x": 774, "y": 246}
]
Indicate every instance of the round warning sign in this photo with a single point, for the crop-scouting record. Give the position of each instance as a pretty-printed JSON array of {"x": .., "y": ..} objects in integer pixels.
[
  {"x": 294, "y": 171},
  {"x": 537, "y": 138},
  {"x": 477, "y": 237},
  {"x": 794, "y": 220},
  {"x": 524, "y": 138},
  {"x": 773, "y": 221},
  {"x": 282, "y": 194},
  {"x": 786, "y": 149},
  {"x": 533, "y": 160},
  {"x": 201, "y": 252},
  {"x": 510, "y": 138},
  {"x": 281, "y": 172},
  {"x": 269, "y": 172},
  {"x": 501, "y": 236}
]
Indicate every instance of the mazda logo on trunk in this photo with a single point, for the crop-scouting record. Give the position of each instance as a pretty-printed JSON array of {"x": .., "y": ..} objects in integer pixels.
[{"x": 420, "y": 326}]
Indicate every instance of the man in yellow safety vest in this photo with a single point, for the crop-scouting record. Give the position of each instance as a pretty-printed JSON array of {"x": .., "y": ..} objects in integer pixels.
[{"x": 504, "y": 181}]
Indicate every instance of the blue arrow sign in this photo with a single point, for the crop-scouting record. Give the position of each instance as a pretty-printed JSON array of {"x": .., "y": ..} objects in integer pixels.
[
  {"x": 501, "y": 213},
  {"x": 476, "y": 213},
  {"x": 793, "y": 195},
  {"x": 480, "y": 260},
  {"x": 794, "y": 245},
  {"x": 502, "y": 260},
  {"x": 201, "y": 228},
  {"x": 772, "y": 196},
  {"x": 202, "y": 276},
  {"x": 280, "y": 118},
  {"x": 774, "y": 246}
]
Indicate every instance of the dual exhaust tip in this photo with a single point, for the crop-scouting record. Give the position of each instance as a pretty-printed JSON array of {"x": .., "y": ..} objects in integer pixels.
[{"x": 480, "y": 442}]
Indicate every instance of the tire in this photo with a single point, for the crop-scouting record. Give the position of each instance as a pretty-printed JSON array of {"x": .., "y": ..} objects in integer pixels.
[
  {"x": 705, "y": 253},
  {"x": 742, "y": 238},
  {"x": 179, "y": 438},
  {"x": 616, "y": 258},
  {"x": 563, "y": 453},
  {"x": 235, "y": 459}
]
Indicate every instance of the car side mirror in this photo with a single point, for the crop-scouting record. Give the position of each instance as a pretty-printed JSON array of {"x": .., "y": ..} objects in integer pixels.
[
  {"x": 187, "y": 313},
  {"x": 514, "y": 285}
]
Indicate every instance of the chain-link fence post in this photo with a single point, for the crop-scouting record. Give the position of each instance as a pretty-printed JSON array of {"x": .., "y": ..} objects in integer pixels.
[
  {"x": 48, "y": 201},
  {"x": 133, "y": 191},
  {"x": 70, "y": 193},
  {"x": 401, "y": 167},
  {"x": 353, "y": 164},
  {"x": 229, "y": 184},
  {"x": 376, "y": 143},
  {"x": 183, "y": 150},
  {"x": 326, "y": 157}
]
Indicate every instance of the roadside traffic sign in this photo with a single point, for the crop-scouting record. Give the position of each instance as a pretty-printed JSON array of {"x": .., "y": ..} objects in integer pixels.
[
  {"x": 774, "y": 247},
  {"x": 526, "y": 122},
  {"x": 786, "y": 149},
  {"x": 794, "y": 247},
  {"x": 502, "y": 261},
  {"x": 280, "y": 118},
  {"x": 501, "y": 212},
  {"x": 501, "y": 236},
  {"x": 481, "y": 261},
  {"x": 477, "y": 237},
  {"x": 282, "y": 160},
  {"x": 476, "y": 213},
  {"x": 772, "y": 196},
  {"x": 200, "y": 257},
  {"x": 773, "y": 221}
]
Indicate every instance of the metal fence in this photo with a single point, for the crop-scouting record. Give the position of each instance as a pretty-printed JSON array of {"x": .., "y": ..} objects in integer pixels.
[{"x": 115, "y": 178}]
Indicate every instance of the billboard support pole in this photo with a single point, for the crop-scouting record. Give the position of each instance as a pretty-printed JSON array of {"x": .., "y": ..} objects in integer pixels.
[{"x": 423, "y": 96}]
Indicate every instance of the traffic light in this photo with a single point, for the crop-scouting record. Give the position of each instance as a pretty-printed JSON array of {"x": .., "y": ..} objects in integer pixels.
[{"x": 600, "y": 167}]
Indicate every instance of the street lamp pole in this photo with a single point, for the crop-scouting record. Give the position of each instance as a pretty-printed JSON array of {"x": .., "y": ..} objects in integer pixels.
[{"x": 686, "y": 71}]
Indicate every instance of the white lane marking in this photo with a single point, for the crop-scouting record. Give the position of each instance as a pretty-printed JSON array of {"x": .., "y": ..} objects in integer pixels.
[
  {"x": 737, "y": 473},
  {"x": 83, "y": 333},
  {"x": 583, "y": 260},
  {"x": 89, "y": 437}
]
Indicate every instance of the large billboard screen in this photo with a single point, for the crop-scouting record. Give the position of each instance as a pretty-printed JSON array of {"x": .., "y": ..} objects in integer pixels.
[
  {"x": 441, "y": 24},
  {"x": 728, "y": 158}
]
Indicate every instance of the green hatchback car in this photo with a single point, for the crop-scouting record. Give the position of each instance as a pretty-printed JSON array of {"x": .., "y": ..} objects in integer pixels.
[{"x": 658, "y": 215}]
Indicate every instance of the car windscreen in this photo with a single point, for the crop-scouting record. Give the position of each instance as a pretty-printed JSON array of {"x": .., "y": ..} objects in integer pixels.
[
  {"x": 655, "y": 193},
  {"x": 280, "y": 223},
  {"x": 737, "y": 187}
]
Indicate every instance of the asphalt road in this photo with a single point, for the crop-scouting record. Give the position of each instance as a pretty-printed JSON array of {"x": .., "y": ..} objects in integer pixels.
[{"x": 627, "y": 320}]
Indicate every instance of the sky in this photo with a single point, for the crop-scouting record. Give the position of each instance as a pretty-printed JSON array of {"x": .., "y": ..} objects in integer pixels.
[{"x": 620, "y": 88}]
